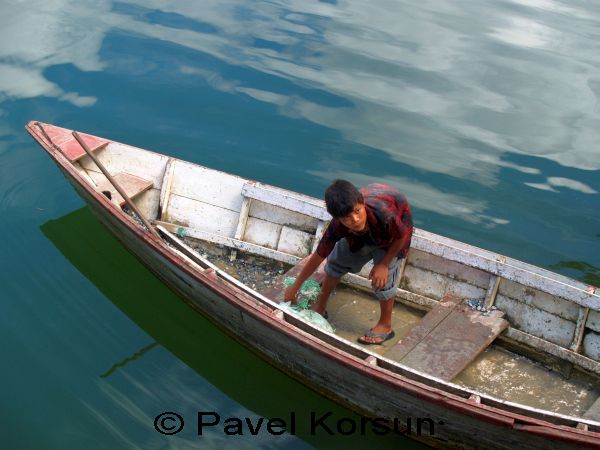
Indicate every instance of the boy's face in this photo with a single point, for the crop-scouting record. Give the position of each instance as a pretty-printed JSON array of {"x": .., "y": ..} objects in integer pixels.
[{"x": 356, "y": 221}]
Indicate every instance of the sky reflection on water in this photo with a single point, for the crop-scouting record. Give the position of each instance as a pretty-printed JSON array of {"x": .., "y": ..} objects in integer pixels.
[
  {"x": 485, "y": 114},
  {"x": 416, "y": 82}
]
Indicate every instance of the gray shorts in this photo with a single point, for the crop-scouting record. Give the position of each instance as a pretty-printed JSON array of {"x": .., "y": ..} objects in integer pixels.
[{"x": 342, "y": 260}]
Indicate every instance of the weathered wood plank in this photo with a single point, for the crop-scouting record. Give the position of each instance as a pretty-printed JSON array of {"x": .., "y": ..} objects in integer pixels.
[
  {"x": 229, "y": 242},
  {"x": 490, "y": 296},
  {"x": 579, "y": 329},
  {"x": 243, "y": 219},
  {"x": 207, "y": 185},
  {"x": 124, "y": 158},
  {"x": 459, "y": 339},
  {"x": 425, "y": 326},
  {"x": 451, "y": 337},
  {"x": 511, "y": 269},
  {"x": 165, "y": 189},
  {"x": 510, "y": 337},
  {"x": 294, "y": 242},
  {"x": 69, "y": 146},
  {"x": 286, "y": 199},
  {"x": 132, "y": 185},
  {"x": 318, "y": 235},
  {"x": 201, "y": 215}
]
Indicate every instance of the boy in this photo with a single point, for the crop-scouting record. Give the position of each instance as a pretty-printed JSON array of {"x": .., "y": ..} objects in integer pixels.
[{"x": 373, "y": 223}]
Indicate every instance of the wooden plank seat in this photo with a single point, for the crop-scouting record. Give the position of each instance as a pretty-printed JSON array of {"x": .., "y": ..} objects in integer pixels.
[
  {"x": 131, "y": 184},
  {"x": 448, "y": 338},
  {"x": 275, "y": 292},
  {"x": 63, "y": 138}
]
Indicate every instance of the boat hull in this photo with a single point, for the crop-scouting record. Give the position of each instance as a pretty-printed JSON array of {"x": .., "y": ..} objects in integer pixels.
[{"x": 447, "y": 420}]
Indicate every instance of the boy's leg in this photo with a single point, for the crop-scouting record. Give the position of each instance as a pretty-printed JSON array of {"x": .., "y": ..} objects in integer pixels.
[
  {"x": 386, "y": 300},
  {"x": 340, "y": 262}
]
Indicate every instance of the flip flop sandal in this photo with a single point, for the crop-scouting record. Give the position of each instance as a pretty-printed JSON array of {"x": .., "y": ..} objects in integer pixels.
[{"x": 383, "y": 336}]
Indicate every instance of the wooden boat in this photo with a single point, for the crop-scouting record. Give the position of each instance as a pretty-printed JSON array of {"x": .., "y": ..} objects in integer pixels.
[{"x": 490, "y": 352}]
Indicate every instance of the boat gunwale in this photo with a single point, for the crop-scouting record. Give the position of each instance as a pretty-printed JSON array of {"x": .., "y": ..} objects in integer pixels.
[
  {"x": 512, "y": 269},
  {"x": 415, "y": 387},
  {"x": 489, "y": 261},
  {"x": 363, "y": 353}
]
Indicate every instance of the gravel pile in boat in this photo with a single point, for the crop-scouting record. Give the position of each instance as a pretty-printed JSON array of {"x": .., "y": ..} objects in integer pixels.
[
  {"x": 127, "y": 210},
  {"x": 479, "y": 306},
  {"x": 254, "y": 271}
]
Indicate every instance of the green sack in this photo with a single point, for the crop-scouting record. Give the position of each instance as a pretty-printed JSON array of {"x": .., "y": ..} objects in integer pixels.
[
  {"x": 307, "y": 296},
  {"x": 308, "y": 293}
]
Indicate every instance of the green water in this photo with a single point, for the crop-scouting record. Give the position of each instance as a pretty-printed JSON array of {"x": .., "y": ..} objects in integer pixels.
[{"x": 485, "y": 114}]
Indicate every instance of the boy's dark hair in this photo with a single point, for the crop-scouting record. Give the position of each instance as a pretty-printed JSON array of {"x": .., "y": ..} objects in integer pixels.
[{"x": 341, "y": 197}]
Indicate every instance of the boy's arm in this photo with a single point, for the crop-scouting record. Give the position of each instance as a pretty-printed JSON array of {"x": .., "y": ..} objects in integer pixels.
[
  {"x": 311, "y": 265},
  {"x": 326, "y": 244},
  {"x": 378, "y": 275},
  {"x": 394, "y": 249},
  {"x": 404, "y": 228}
]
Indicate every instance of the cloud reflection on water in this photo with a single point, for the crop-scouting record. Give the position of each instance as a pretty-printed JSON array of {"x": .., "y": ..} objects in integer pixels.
[
  {"x": 421, "y": 80},
  {"x": 46, "y": 33},
  {"x": 547, "y": 103}
]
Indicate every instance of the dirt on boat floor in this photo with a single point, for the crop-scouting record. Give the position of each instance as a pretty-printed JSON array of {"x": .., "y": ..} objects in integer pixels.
[
  {"x": 254, "y": 271},
  {"x": 496, "y": 372}
]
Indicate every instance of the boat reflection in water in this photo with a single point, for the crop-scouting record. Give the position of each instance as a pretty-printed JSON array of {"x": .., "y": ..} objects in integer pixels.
[{"x": 255, "y": 387}]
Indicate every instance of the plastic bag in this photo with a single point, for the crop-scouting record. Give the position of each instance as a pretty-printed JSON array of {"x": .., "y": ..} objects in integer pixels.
[{"x": 309, "y": 315}]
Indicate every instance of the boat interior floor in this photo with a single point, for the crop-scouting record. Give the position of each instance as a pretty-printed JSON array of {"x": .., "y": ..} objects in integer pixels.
[{"x": 496, "y": 371}]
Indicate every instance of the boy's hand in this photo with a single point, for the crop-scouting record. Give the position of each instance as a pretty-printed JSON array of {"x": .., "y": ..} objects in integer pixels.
[
  {"x": 378, "y": 276},
  {"x": 290, "y": 294}
]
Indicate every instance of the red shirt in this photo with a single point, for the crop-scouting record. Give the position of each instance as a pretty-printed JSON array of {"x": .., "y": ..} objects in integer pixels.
[{"x": 388, "y": 217}]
